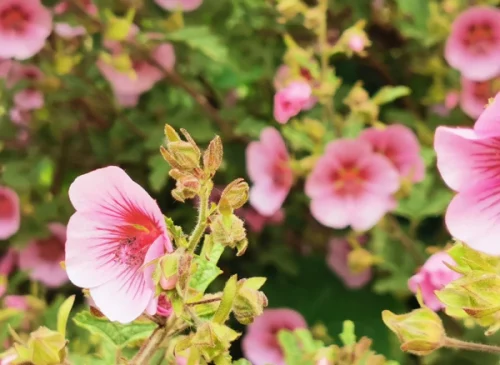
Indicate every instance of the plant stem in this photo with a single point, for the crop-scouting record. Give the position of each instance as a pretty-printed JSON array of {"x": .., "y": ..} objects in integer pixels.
[
  {"x": 406, "y": 241},
  {"x": 201, "y": 225},
  {"x": 470, "y": 346},
  {"x": 149, "y": 347},
  {"x": 205, "y": 301}
]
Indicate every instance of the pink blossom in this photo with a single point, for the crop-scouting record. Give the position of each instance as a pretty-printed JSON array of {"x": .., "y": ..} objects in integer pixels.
[
  {"x": 29, "y": 99},
  {"x": 22, "y": 72},
  {"x": 338, "y": 251},
  {"x": 18, "y": 302},
  {"x": 351, "y": 185},
  {"x": 42, "y": 257},
  {"x": 400, "y": 145},
  {"x": 185, "y": 5},
  {"x": 433, "y": 276},
  {"x": 284, "y": 77},
  {"x": 268, "y": 166},
  {"x": 468, "y": 162},
  {"x": 289, "y": 101},
  {"x": 8, "y": 358},
  {"x": 260, "y": 344},
  {"x": 116, "y": 230},
  {"x": 128, "y": 87},
  {"x": 256, "y": 221},
  {"x": 475, "y": 95},
  {"x": 5, "y": 66},
  {"x": 473, "y": 46},
  {"x": 451, "y": 99},
  {"x": 7, "y": 264},
  {"x": 88, "y": 5},
  {"x": 68, "y": 31},
  {"x": 357, "y": 43},
  {"x": 164, "y": 308},
  {"x": 19, "y": 116},
  {"x": 10, "y": 213},
  {"x": 24, "y": 27}
]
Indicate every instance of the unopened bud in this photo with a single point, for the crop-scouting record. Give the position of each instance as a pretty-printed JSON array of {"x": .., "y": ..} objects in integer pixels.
[
  {"x": 249, "y": 301},
  {"x": 354, "y": 40},
  {"x": 212, "y": 158},
  {"x": 360, "y": 260},
  {"x": 420, "y": 332},
  {"x": 117, "y": 28},
  {"x": 171, "y": 134},
  {"x": 185, "y": 154},
  {"x": 234, "y": 196},
  {"x": 44, "y": 347},
  {"x": 169, "y": 269},
  {"x": 228, "y": 230}
]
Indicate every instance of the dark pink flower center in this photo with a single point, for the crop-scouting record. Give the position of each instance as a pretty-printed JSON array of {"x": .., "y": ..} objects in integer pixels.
[
  {"x": 135, "y": 242},
  {"x": 14, "y": 18},
  {"x": 348, "y": 181},
  {"x": 483, "y": 90},
  {"x": 281, "y": 173},
  {"x": 304, "y": 72},
  {"x": 479, "y": 38},
  {"x": 6, "y": 206},
  {"x": 50, "y": 249}
]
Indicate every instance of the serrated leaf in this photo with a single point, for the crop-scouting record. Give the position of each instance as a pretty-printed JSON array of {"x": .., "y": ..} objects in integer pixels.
[
  {"x": 206, "y": 272},
  {"x": 202, "y": 39},
  {"x": 119, "y": 334},
  {"x": 388, "y": 94}
]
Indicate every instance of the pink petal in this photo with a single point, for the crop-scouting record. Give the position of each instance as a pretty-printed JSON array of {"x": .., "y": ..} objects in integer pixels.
[
  {"x": 488, "y": 124},
  {"x": 267, "y": 198},
  {"x": 10, "y": 213},
  {"x": 185, "y": 5},
  {"x": 330, "y": 211}
]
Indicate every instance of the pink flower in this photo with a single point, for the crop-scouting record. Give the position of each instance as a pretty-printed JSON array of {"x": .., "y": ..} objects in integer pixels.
[
  {"x": 42, "y": 257},
  {"x": 256, "y": 221},
  {"x": 116, "y": 230},
  {"x": 289, "y": 101},
  {"x": 357, "y": 43},
  {"x": 24, "y": 27},
  {"x": 433, "y": 276},
  {"x": 5, "y": 66},
  {"x": 10, "y": 213},
  {"x": 19, "y": 116},
  {"x": 185, "y": 5},
  {"x": 338, "y": 251},
  {"x": 21, "y": 72},
  {"x": 7, "y": 265},
  {"x": 473, "y": 46},
  {"x": 451, "y": 99},
  {"x": 127, "y": 87},
  {"x": 29, "y": 99},
  {"x": 260, "y": 344},
  {"x": 268, "y": 166},
  {"x": 18, "y": 302},
  {"x": 8, "y": 358},
  {"x": 468, "y": 162},
  {"x": 400, "y": 145},
  {"x": 164, "y": 308},
  {"x": 67, "y": 31},
  {"x": 475, "y": 95},
  {"x": 351, "y": 185}
]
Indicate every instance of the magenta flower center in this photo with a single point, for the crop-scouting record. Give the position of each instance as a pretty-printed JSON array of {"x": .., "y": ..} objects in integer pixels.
[
  {"x": 304, "y": 72},
  {"x": 14, "y": 18},
  {"x": 483, "y": 90},
  {"x": 134, "y": 244},
  {"x": 6, "y": 207},
  {"x": 50, "y": 249},
  {"x": 281, "y": 174},
  {"x": 479, "y": 38}
]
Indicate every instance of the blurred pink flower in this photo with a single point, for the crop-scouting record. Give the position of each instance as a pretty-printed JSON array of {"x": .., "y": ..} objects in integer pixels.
[
  {"x": 357, "y": 43},
  {"x": 338, "y": 251},
  {"x": 434, "y": 275},
  {"x": 8, "y": 359},
  {"x": 10, "y": 213},
  {"x": 256, "y": 221},
  {"x": 185, "y": 5},
  {"x": 24, "y": 27},
  {"x": 115, "y": 230},
  {"x": 400, "y": 145},
  {"x": 451, "y": 99},
  {"x": 475, "y": 94},
  {"x": 5, "y": 66},
  {"x": 7, "y": 264},
  {"x": 42, "y": 257},
  {"x": 260, "y": 344},
  {"x": 22, "y": 72},
  {"x": 128, "y": 88},
  {"x": 18, "y": 302},
  {"x": 88, "y": 5},
  {"x": 323, "y": 361},
  {"x": 351, "y": 185},
  {"x": 19, "y": 116},
  {"x": 268, "y": 166},
  {"x": 289, "y": 101},
  {"x": 68, "y": 31},
  {"x": 283, "y": 78},
  {"x": 29, "y": 99},
  {"x": 468, "y": 162},
  {"x": 473, "y": 46}
]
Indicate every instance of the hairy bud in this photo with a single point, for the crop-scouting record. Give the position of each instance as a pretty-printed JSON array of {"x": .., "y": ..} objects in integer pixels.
[
  {"x": 249, "y": 301},
  {"x": 181, "y": 155},
  {"x": 228, "y": 230},
  {"x": 212, "y": 158},
  {"x": 234, "y": 196},
  {"x": 44, "y": 347}
]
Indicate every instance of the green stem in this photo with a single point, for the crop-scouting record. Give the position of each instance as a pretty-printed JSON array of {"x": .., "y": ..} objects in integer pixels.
[
  {"x": 149, "y": 347},
  {"x": 201, "y": 224},
  {"x": 470, "y": 346},
  {"x": 405, "y": 240}
]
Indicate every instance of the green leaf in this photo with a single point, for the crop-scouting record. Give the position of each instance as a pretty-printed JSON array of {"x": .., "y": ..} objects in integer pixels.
[
  {"x": 158, "y": 175},
  {"x": 348, "y": 336},
  {"x": 242, "y": 362},
  {"x": 119, "y": 334},
  {"x": 63, "y": 315},
  {"x": 291, "y": 346},
  {"x": 388, "y": 94},
  {"x": 202, "y": 39},
  {"x": 226, "y": 303},
  {"x": 206, "y": 272},
  {"x": 418, "y": 11},
  {"x": 250, "y": 127}
]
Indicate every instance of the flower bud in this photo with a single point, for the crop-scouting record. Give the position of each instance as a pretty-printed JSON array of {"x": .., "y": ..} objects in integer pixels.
[
  {"x": 249, "y": 301},
  {"x": 360, "y": 260},
  {"x": 420, "y": 332},
  {"x": 228, "y": 230},
  {"x": 169, "y": 266},
  {"x": 234, "y": 196},
  {"x": 117, "y": 28},
  {"x": 186, "y": 187},
  {"x": 212, "y": 158},
  {"x": 44, "y": 347},
  {"x": 181, "y": 155},
  {"x": 354, "y": 40}
]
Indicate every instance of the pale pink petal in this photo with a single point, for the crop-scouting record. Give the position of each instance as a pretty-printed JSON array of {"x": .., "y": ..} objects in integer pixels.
[
  {"x": 473, "y": 216},
  {"x": 488, "y": 124},
  {"x": 29, "y": 99},
  {"x": 365, "y": 210},
  {"x": 185, "y": 5},
  {"x": 464, "y": 158},
  {"x": 330, "y": 211},
  {"x": 267, "y": 198},
  {"x": 338, "y": 250},
  {"x": 380, "y": 175},
  {"x": 128, "y": 100},
  {"x": 68, "y": 31},
  {"x": 164, "y": 54}
]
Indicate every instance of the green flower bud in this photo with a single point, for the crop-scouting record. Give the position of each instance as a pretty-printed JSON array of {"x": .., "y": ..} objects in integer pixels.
[
  {"x": 212, "y": 158},
  {"x": 420, "y": 332},
  {"x": 234, "y": 196},
  {"x": 228, "y": 230},
  {"x": 44, "y": 347},
  {"x": 249, "y": 301}
]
